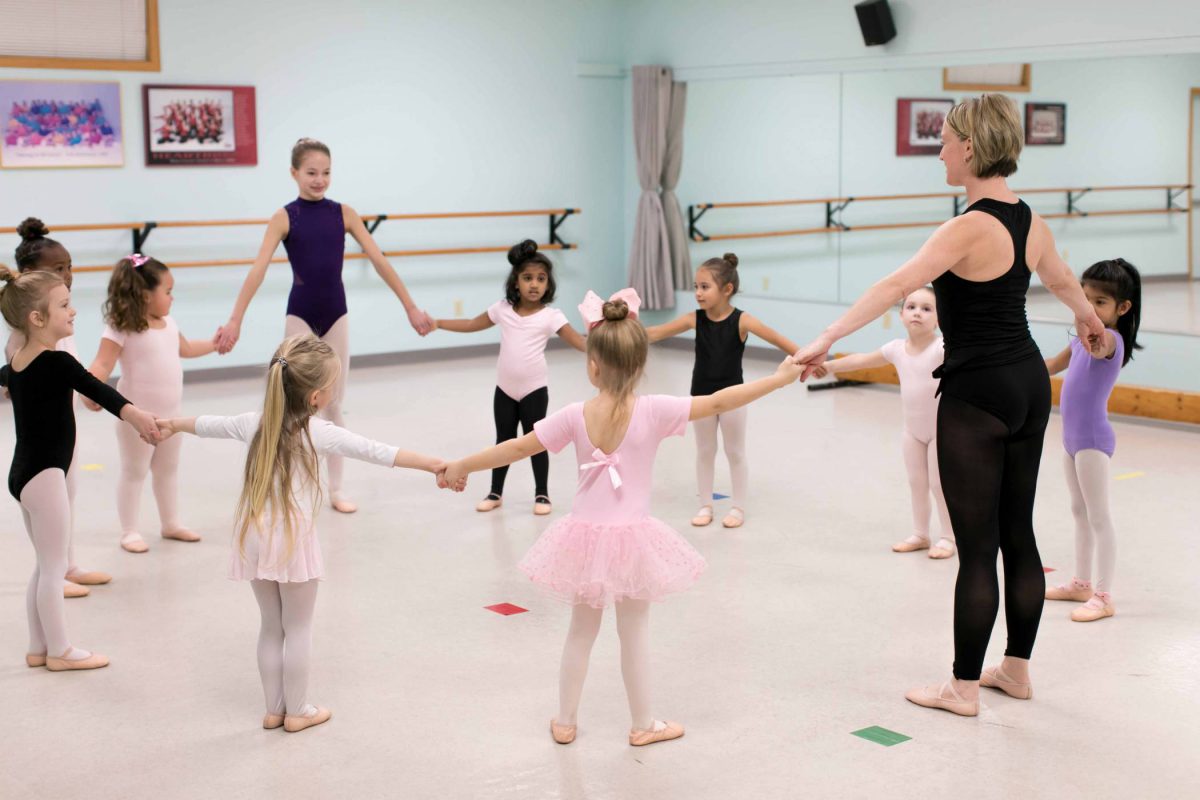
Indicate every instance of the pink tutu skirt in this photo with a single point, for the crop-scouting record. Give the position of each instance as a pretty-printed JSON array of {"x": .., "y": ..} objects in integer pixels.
[
  {"x": 265, "y": 559},
  {"x": 584, "y": 562}
]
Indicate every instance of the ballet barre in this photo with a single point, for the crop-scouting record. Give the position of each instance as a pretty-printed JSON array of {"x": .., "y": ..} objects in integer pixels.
[
  {"x": 836, "y": 206},
  {"x": 140, "y": 232}
]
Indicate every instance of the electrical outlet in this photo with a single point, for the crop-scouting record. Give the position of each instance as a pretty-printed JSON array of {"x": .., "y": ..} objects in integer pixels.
[
  {"x": 766, "y": 284},
  {"x": 458, "y": 309}
]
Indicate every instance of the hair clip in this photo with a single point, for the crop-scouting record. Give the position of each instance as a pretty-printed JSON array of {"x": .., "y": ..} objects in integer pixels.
[{"x": 137, "y": 259}]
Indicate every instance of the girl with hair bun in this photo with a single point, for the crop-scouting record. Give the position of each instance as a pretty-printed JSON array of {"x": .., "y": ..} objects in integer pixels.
[
  {"x": 313, "y": 231},
  {"x": 721, "y": 333},
  {"x": 142, "y": 336},
  {"x": 526, "y": 323},
  {"x": 275, "y": 545},
  {"x": 37, "y": 252},
  {"x": 609, "y": 550},
  {"x": 42, "y": 381}
]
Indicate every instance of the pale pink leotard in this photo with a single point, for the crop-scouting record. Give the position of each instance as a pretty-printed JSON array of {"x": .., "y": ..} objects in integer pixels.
[
  {"x": 151, "y": 368},
  {"x": 521, "y": 368},
  {"x": 918, "y": 387}
]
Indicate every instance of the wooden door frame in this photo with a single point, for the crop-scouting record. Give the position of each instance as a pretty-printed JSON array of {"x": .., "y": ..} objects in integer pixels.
[{"x": 1193, "y": 96}]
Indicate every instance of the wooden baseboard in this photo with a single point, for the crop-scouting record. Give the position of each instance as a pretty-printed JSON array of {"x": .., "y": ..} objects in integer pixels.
[{"x": 1133, "y": 401}]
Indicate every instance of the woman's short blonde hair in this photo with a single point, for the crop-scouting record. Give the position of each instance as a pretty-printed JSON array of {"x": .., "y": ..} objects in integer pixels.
[{"x": 993, "y": 125}]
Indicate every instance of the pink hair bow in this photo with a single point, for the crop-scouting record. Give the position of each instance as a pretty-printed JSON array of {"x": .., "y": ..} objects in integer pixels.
[
  {"x": 137, "y": 259},
  {"x": 592, "y": 307},
  {"x": 605, "y": 461}
]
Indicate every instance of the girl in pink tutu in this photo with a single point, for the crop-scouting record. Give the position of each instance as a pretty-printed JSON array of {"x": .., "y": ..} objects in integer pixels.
[
  {"x": 276, "y": 547},
  {"x": 609, "y": 550}
]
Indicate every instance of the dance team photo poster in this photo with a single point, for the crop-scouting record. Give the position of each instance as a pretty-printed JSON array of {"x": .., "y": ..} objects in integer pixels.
[
  {"x": 199, "y": 126},
  {"x": 46, "y": 124}
]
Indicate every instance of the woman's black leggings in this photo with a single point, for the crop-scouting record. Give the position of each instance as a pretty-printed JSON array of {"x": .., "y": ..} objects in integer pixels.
[
  {"x": 528, "y": 410},
  {"x": 990, "y": 426}
]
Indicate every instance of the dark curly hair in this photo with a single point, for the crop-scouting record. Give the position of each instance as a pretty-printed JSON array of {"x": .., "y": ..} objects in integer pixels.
[
  {"x": 125, "y": 308},
  {"x": 521, "y": 255},
  {"x": 35, "y": 241}
]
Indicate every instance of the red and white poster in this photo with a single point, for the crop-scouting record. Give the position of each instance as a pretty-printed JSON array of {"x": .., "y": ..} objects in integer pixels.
[{"x": 199, "y": 126}]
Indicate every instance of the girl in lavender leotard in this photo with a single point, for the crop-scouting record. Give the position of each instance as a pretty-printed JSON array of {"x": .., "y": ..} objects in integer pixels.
[
  {"x": 1114, "y": 288},
  {"x": 313, "y": 230}
]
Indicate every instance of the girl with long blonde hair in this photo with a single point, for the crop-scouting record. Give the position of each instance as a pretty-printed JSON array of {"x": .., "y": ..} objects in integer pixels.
[{"x": 275, "y": 545}]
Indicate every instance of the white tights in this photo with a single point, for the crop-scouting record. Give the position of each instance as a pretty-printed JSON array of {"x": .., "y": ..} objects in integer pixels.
[
  {"x": 1087, "y": 478},
  {"x": 285, "y": 643},
  {"x": 920, "y": 461},
  {"x": 338, "y": 338},
  {"x": 733, "y": 437},
  {"x": 46, "y": 507},
  {"x": 633, "y": 628},
  {"x": 138, "y": 458}
]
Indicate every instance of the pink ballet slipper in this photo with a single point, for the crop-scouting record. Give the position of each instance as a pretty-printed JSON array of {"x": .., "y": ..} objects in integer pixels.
[
  {"x": 563, "y": 734},
  {"x": 273, "y": 721},
  {"x": 943, "y": 549},
  {"x": 35, "y": 659},
  {"x": 342, "y": 504},
  {"x": 181, "y": 535},
  {"x": 703, "y": 517},
  {"x": 1098, "y": 607},
  {"x": 994, "y": 678},
  {"x": 300, "y": 722},
  {"x": 943, "y": 697},
  {"x": 541, "y": 505},
  {"x": 489, "y": 503},
  {"x": 75, "y": 590},
  {"x": 64, "y": 664},
  {"x": 911, "y": 544},
  {"x": 1077, "y": 591},
  {"x": 734, "y": 518},
  {"x": 134, "y": 543},
  {"x": 668, "y": 731},
  {"x": 90, "y": 577}
]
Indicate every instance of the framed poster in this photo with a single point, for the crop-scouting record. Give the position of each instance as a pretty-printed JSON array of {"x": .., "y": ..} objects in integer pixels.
[
  {"x": 919, "y": 126},
  {"x": 60, "y": 124},
  {"x": 1045, "y": 123},
  {"x": 199, "y": 126}
]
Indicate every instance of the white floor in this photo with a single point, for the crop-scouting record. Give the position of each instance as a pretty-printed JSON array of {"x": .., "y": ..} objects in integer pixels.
[
  {"x": 1175, "y": 305},
  {"x": 804, "y": 629}
]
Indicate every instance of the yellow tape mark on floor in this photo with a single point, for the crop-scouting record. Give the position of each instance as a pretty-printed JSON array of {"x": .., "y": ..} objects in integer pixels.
[
  {"x": 1129, "y": 475},
  {"x": 93, "y": 467}
]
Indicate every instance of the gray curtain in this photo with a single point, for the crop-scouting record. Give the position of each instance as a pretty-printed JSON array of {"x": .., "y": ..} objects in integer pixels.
[
  {"x": 650, "y": 253},
  {"x": 681, "y": 261}
]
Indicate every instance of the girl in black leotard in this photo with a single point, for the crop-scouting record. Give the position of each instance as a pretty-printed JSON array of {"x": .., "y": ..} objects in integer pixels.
[
  {"x": 995, "y": 392},
  {"x": 41, "y": 380}
]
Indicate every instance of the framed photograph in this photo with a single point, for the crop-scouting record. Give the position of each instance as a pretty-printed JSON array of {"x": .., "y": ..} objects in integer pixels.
[
  {"x": 919, "y": 126},
  {"x": 60, "y": 124},
  {"x": 1045, "y": 123},
  {"x": 199, "y": 126}
]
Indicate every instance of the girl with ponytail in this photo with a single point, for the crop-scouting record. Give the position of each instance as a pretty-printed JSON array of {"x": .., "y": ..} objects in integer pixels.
[
  {"x": 1114, "y": 288},
  {"x": 275, "y": 545},
  {"x": 141, "y": 335},
  {"x": 609, "y": 550}
]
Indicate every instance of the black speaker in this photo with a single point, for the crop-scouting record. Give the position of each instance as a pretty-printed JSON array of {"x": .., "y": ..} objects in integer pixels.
[{"x": 875, "y": 19}]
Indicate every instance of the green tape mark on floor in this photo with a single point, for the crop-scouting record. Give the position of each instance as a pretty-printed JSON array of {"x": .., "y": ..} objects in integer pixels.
[{"x": 881, "y": 736}]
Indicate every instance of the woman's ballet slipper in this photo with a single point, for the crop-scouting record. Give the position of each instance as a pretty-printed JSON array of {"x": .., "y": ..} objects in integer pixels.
[
  {"x": 1096, "y": 608},
  {"x": 541, "y": 505},
  {"x": 134, "y": 543},
  {"x": 563, "y": 734},
  {"x": 994, "y": 678},
  {"x": 490, "y": 503},
  {"x": 75, "y": 590},
  {"x": 703, "y": 517},
  {"x": 272, "y": 721},
  {"x": 296, "y": 724},
  {"x": 181, "y": 535},
  {"x": 342, "y": 504},
  {"x": 35, "y": 659},
  {"x": 911, "y": 544},
  {"x": 89, "y": 577},
  {"x": 734, "y": 518},
  {"x": 943, "y": 697},
  {"x": 1076, "y": 591},
  {"x": 94, "y": 661},
  {"x": 943, "y": 549},
  {"x": 668, "y": 731}
]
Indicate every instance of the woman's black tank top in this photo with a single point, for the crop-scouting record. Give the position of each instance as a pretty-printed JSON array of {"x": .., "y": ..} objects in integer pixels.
[
  {"x": 719, "y": 348},
  {"x": 983, "y": 322}
]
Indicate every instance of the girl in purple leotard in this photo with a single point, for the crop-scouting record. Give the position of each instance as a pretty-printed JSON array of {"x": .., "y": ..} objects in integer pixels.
[
  {"x": 1114, "y": 288},
  {"x": 313, "y": 231}
]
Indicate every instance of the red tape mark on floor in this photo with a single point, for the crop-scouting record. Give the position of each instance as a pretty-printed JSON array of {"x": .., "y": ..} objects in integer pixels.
[{"x": 506, "y": 609}]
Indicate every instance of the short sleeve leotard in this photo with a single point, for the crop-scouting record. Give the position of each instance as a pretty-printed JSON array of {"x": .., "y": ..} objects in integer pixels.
[{"x": 521, "y": 368}]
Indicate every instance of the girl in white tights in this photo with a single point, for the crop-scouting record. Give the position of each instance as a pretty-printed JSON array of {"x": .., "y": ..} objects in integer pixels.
[
  {"x": 42, "y": 381},
  {"x": 141, "y": 335},
  {"x": 915, "y": 359},
  {"x": 276, "y": 547},
  {"x": 721, "y": 334}
]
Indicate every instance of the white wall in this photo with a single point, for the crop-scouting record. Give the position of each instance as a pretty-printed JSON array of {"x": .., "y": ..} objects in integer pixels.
[{"x": 427, "y": 106}]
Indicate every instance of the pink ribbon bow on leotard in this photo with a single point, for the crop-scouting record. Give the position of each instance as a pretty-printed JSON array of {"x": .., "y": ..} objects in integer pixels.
[
  {"x": 603, "y": 460},
  {"x": 592, "y": 307}
]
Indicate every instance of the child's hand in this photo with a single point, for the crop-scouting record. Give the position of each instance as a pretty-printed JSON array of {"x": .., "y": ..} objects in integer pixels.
[
  {"x": 90, "y": 404},
  {"x": 166, "y": 429},
  {"x": 143, "y": 422},
  {"x": 821, "y": 371},
  {"x": 454, "y": 476},
  {"x": 216, "y": 342},
  {"x": 789, "y": 369},
  {"x": 812, "y": 355}
]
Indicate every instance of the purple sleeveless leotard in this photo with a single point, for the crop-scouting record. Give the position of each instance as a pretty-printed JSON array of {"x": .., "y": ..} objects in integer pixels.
[
  {"x": 316, "y": 248},
  {"x": 1084, "y": 402}
]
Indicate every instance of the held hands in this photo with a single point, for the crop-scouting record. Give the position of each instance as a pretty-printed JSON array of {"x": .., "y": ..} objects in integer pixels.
[
  {"x": 812, "y": 356},
  {"x": 143, "y": 422},
  {"x": 789, "y": 370},
  {"x": 821, "y": 371},
  {"x": 1091, "y": 332},
  {"x": 453, "y": 475},
  {"x": 421, "y": 322},
  {"x": 439, "y": 470},
  {"x": 166, "y": 429},
  {"x": 227, "y": 336}
]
